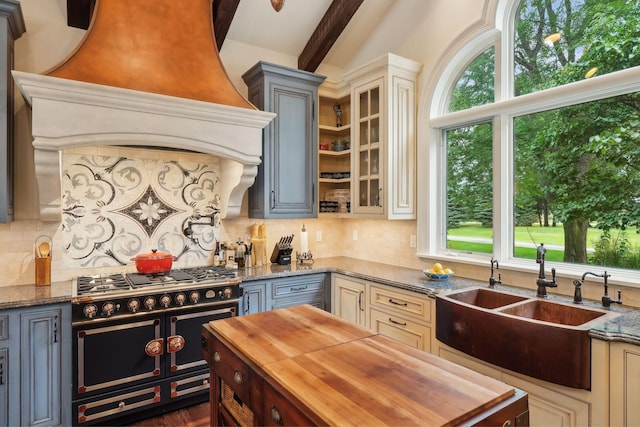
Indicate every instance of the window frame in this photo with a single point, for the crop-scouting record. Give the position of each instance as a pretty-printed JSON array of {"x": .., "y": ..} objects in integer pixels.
[{"x": 436, "y": 119}]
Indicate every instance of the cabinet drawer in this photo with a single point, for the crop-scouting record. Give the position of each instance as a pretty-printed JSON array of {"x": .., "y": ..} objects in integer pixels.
[
  {"x": 4, "y": 328},
  {"x": 228, "y": 366},
  {"x": 278, "y": 411},
  {"x": 298, "y": 286},
  {"x": 401, "y": 328},
  {"x": 402, "y": 302}
]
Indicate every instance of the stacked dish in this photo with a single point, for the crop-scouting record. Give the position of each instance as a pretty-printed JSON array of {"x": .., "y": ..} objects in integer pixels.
[{"x": 340, "y": 195}]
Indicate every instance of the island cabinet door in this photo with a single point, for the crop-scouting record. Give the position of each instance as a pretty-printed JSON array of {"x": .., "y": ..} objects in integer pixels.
[{"x": 278, "y": 411}]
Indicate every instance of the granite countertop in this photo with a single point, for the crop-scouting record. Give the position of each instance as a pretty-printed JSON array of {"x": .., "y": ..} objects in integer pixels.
[{"x": 623, "y": 328}]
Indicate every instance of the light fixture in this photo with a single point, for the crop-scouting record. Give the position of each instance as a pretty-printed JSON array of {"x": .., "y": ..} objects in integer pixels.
[
  {"x": 277, "y": 4},
  {"x": 591, "y": 72},
  {"x": 551, "y": 39}
]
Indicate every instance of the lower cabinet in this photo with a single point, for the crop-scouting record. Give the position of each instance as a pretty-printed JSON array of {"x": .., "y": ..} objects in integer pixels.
[
  {"x": 625, "y": 384},
  {"x": 396, "y": 313},
  {"x": 550, "y": 404},
  {"x": 262, "y": 295},
  {"x": 35, "y": 366},
  {"x": 349, "y": 299}
]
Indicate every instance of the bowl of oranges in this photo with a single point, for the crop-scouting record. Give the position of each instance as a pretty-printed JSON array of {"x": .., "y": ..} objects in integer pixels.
[{"x": 438, "y": 273}]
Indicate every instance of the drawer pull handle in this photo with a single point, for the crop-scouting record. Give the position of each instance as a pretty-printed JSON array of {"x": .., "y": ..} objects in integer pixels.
[
  {"x": 398, "y": 303},
  {"x": 397, "y": 323},
  {"x": 237, "y": 377},
  {"x": 217, "y": 357},
  {"x": 299, "y": 288},
  {"x": 275, "y": 415}
]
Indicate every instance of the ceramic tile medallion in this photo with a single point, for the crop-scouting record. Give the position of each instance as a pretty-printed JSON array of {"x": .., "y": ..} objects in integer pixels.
[{"x": 115, "y": 208}]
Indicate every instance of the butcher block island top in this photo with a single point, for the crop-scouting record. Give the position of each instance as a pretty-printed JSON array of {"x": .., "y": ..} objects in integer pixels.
[{"x": 301, "y": 366}]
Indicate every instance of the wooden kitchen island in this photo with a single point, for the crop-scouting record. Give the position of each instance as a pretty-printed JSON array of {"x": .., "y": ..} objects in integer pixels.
[{"x": 303, "y": 366}]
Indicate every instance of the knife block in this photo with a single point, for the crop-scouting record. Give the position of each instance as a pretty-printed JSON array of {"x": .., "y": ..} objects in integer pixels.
[
  {"x": 43, "y": 271},
  {"x": 280, "y": 255}
]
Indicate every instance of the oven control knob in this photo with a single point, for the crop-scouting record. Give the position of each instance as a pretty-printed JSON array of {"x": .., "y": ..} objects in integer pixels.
[
  {"x": 149, "y": 303},
  {"x": 90, "y": 311},
  {"x": 180, "y": 299},
  {"x": 133, "y": 305},
  {"x": 194, "y": 297},
  {"x": 226, "y": 293},
  {"x": 108, "y": 308},
  {"x": 165, "y": 301}
]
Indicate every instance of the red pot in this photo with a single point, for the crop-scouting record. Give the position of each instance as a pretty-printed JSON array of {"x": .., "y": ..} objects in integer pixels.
[{"x": 154, "y": 262}]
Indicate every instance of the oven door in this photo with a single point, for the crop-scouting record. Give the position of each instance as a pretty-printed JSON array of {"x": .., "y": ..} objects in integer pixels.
[
  {"x": 184, "y": 341},
  {"x": 117, "y": 353}
]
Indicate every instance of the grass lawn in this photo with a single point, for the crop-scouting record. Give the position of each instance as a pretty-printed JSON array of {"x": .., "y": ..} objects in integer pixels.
[{"x": 533, "y": 234}]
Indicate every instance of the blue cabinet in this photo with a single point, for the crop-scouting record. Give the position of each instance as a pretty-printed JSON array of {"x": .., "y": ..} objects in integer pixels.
[
  {"x": 263, "y": 295},
  {"x": 286, "y": 184},
  {"x": 37, "y": 388}
]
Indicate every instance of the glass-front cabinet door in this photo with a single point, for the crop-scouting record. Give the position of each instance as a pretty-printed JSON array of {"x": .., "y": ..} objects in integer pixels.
[{"x": 369, "y": 148}]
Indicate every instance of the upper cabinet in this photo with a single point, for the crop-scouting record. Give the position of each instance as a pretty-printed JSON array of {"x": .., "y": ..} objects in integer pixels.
[
  {"x": 11, "y": 28},
  {"x": 383, "y": 138},
  {"x": 286, "y": 184}
]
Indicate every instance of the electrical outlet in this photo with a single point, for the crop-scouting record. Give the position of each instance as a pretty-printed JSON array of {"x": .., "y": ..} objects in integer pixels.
[
  {"x": 355, "y": 234},
  {"x": 319, "y": 236},
  {"x": 413, "y": 241}
]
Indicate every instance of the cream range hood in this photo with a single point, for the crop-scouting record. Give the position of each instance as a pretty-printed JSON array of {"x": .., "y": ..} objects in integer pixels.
[{"x": 157, "y": 83}]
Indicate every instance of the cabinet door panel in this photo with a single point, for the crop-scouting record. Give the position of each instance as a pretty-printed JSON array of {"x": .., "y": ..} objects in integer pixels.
[
  {"x": 4, "y": 386},
  {"x": 349, "y": 299},
  {"x": 293, "y": 156},
  {"x": 41, "y": 386}
]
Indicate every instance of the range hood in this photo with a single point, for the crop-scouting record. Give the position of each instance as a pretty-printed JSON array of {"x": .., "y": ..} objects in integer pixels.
[{"x": 146, "y": 74}]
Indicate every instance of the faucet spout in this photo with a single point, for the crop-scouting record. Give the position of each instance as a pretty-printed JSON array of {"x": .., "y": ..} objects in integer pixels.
[{"x": 542, "y": 282}]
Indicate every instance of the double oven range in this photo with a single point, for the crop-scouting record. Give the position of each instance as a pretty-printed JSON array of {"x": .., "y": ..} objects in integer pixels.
[{"x": 137, "y": 344}]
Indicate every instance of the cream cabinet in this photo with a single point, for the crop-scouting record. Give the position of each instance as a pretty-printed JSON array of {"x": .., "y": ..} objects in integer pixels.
[
  {"x": 402, "y": 315},
  {"x": 383, "y": 143},
  {"x": 334, "y": 150},
  {"x": 551, "y": 404},
  {"x": 396, "y": 313},
  {"x": 349, "y": 299},
  {"x": 625, "y": 384}
]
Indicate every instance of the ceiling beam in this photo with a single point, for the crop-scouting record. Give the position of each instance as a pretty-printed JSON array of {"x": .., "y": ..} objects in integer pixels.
[
  {"x": 223, "y": 12},
  {"x": 327, "y": 32},
  {"x": 79, "y": 14}
]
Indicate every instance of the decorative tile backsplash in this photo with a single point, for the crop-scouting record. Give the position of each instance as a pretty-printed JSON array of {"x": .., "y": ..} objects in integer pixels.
[{"x": 116, "y": 207}]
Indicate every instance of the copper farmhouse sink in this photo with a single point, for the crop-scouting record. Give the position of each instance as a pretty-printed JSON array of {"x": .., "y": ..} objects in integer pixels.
[{"x": 539, "y": 338}]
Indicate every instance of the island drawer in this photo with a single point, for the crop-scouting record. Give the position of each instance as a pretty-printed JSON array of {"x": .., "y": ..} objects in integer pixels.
[
  {"x": 279, "y": 411},
  {"x": 231, "y": 369},
  {"x": 399, "y": 301}
]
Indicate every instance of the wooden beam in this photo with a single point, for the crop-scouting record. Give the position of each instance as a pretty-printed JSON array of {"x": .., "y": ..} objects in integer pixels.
[
  {"x": 223, "y": 12},
  {"x": 79, "y": 13},
  {"x": 327, "y": 32}
]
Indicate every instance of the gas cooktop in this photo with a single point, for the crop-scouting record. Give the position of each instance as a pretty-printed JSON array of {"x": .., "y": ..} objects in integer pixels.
[{"x": 123, "y": 282}]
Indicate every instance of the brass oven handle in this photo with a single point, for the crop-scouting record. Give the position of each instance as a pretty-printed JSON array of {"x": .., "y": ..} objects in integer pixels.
[
  {"x": 175, "y": 343},
  {"x": 154, "y": 347}
]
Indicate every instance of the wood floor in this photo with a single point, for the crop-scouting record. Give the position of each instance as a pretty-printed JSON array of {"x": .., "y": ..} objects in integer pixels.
[{"x": 193, "y": 416}]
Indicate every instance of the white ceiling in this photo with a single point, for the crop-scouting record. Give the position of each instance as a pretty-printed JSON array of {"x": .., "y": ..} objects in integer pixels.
[{"x": 287, "y": 31}]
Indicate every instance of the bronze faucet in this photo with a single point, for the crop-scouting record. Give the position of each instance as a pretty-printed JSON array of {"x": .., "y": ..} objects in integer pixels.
[
  {"x": 492, "y": 280},
  {"x": 542, "y": 282}
]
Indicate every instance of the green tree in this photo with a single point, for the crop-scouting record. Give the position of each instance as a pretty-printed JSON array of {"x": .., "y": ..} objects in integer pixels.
[{"x": 585, "y": 156}]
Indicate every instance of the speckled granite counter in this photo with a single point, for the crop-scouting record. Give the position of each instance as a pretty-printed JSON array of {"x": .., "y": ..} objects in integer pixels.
[{"x": 624, "y": 328}]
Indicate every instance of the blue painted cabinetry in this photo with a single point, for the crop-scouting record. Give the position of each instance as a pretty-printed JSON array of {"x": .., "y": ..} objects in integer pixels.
[
  {"x": 286, "y": 184},
  {"x": 263, "y": 295},
  {"x": 36, "y": 390}
]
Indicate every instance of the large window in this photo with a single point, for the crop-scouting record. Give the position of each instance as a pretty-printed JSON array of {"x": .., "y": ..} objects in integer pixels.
[{"x": 551, "y": 149}]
